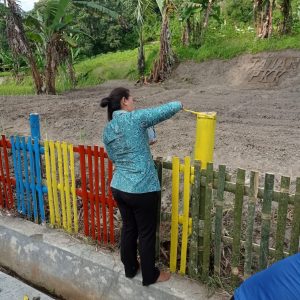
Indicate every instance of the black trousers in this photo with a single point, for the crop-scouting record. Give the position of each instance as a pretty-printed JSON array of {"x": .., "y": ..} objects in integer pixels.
[{"x": 138, "y": 213}]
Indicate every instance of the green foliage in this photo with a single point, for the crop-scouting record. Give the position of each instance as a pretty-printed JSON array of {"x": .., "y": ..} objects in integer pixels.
[
  {"x": 239, "y": 11},
  {"x": 119, "y": 65},
  {"x": 230, "y": 42},
  {"x": 93, "y": 71},
  {"x": 10, "y": 87}
]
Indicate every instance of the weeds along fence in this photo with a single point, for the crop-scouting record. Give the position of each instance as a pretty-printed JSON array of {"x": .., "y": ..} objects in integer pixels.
[
  {"x": 220, "y": 224},
  {"x": 224, "y": 227}
]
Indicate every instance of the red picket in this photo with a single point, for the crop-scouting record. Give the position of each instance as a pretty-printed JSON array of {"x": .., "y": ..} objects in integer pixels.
[
  {"x": 103, "y": 194},
  {"x": 6, "y": 194},
  {"x": 95, "y": 192}
]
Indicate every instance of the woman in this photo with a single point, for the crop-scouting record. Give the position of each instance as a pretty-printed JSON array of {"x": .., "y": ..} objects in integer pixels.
[{"x": 135, "y": 183}]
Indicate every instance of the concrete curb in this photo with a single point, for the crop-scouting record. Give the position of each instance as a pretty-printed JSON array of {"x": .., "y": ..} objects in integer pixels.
[{"x": 69, "y": 268}]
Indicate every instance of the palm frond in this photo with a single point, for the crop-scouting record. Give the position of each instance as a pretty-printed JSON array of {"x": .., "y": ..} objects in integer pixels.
[{"x": 98, "y": 7}]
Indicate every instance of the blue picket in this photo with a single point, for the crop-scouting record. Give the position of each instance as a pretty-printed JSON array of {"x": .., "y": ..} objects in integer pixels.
[
  {"x": 20, "y": 175},
  {"x": 14, "y": 155},
  {"x": 39, "y": 178},
  {"x": 26, "y": 183},
  {"x": 32, "y": 177}
]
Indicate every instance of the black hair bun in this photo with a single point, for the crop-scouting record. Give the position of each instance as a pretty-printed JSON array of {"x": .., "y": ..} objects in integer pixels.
[{"x": 104, "y": 102}]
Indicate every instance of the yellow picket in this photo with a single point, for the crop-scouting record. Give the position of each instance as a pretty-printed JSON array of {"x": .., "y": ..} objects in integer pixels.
[
  {"x": 54, "y": 183},
  {"x": 61, "y": 184},
  {"x": 174, "y": 225},
  {"x": 49, "y": 183},
  {"x": 67, "y": 185},
  {"x": 186, "y": 204},
  {"x": 73, "y": 188}
]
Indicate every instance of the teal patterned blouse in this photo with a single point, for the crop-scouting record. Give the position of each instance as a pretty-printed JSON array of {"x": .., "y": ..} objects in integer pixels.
[{"x": 126, "y": 142}]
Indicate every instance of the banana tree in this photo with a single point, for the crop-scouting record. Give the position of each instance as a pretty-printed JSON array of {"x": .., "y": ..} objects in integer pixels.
[
  {"x": 19, "y": 43},
  {"x": 263, "y": 14},
  {"x": 141, "y": 8},
  {"x": 51, "y": 31},
  {"x": 286, "y": 10},
  {"x": 188, "y": 10},
  {"x": 166, "y": 60}
]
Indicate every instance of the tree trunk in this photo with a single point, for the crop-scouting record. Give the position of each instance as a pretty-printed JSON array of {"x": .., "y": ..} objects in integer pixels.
[
  {"x": 141, "y": 56},
  {"x": 71, "y": 72},
  {"x": 264, "y": 19},
  {"x": 258, "y": 13},
  {"x": 207, "y": 14},
  {"x": 286, "y": 10},
  {"x": 186, "y": 33},
  {"x": 37, "y": 78},
  {"x": 164, "y": 64},
  {"x": 50, "y": 72},
  {"x": 19, "y": 44}
]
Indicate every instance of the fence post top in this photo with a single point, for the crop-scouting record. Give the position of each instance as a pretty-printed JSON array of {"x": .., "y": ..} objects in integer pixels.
[{"x": 34, "y": 120}]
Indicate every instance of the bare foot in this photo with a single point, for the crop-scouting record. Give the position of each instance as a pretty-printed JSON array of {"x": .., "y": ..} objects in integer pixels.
[{"x": 163, "y": 276}]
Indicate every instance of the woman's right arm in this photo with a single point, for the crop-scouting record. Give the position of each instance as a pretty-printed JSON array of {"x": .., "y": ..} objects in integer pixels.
[{"x": 154, "y": 115}]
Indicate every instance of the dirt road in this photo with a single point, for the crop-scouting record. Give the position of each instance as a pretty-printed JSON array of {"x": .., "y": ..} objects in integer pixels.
[{"x": 257, "y": 100}]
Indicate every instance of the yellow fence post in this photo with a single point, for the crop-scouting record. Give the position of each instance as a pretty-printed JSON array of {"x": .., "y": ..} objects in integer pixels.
[{"x": 205, "y": 137}]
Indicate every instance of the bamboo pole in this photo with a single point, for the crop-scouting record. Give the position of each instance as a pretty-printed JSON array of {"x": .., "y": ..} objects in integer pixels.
[
  {"x": 237, "y": 215},
  {"x": 193, "y": 262},
  {"x": 294, "y": 246},
  {"x": 281, "y": 216},
  {"x": 158, "y": 221},
  {"x": 201, "y": 223},
  {"x": 207, "y": 221},
  {"x": 218, "y": 220},
  {"x": 266, "y": 221},
  {"x": 254, "y": 180}
]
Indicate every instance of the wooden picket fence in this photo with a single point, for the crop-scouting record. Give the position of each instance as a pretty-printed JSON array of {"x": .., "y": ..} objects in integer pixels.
[
  {"x": 199, "y": 198},
  {"x": 198, "y": 214}
]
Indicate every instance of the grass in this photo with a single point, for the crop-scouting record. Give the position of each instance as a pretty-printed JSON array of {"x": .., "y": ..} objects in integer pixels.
[
  {"x": 10, "y": 87},
  {"x": 226, "y": 44},
  {"x": 222, "y": 43}
]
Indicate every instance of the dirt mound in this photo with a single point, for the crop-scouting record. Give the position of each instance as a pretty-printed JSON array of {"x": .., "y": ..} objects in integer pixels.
[
  {"x": 256, "y": 99},
  {"x": 263, "y": 70}
]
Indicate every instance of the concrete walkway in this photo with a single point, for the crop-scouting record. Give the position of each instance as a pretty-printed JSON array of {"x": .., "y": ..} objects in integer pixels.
[
  {"x": 14, "y": 289},
  {"x": 74, "y": 270}
]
